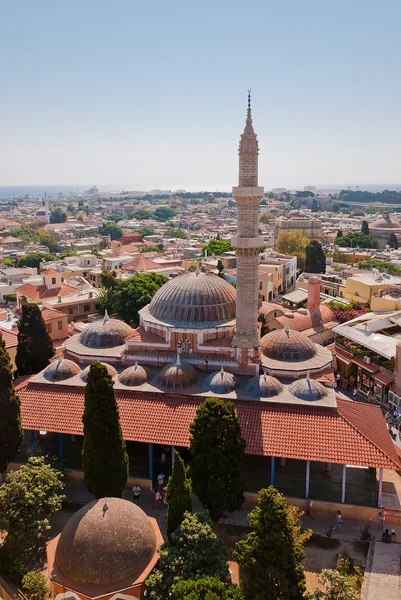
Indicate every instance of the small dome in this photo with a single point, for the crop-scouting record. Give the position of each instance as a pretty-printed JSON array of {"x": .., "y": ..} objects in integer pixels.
[
  {"x": 308, "y": 389},
  {"x": 111, "y": 371},
  {"x": 386, "y": 222},
  {"x": 177, "y": 375},
  {"x": 61, "y": 369},
  {"x": 287, "y": 345},
  {"x": 220, "y": 382},
  {"x": 265, "y": 386},
  {"x": 133, "y": 376},
  {"x": 107, "y": 541},
  {"x": 193, "y": 300},
  {"x": 105, "y": 333}
]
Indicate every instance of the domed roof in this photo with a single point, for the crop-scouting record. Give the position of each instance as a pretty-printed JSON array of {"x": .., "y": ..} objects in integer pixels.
[
  {"x": 194, "y": 300},
  {"x": 61, "y": 369},
  {"x": 177, "y": 375},
  {"x": 106, "y": 541},
  {"x": 287, "y": 345},
  {"x": 105, "y": 333},
  {"x": 307, "y": 389},
  {"x": 111, "y": 371},
  {"x": 264, "y": 385},
  {"x": 133, "y": 376},
  {"x": 220, "y": 382},
  {"x": 385, "y": 222}
]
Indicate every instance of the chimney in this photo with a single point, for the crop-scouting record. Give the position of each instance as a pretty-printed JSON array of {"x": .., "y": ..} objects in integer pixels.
[
  {"x": 59, "y": 299},
  {"x": 313, "y": 293}
]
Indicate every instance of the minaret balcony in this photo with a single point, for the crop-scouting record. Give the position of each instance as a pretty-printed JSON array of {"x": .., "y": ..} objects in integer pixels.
[
  {"x": 248, "y": 192},
  {"x": 247, "y": 242}
]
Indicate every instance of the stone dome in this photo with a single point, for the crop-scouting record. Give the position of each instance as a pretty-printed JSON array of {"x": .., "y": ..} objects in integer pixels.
[
  {"x": 105, "y": 333},
  {"x": 106, "y": 542},
  {"x": 133, "y": 376},
  {"x": 287, "y": 345},
  {"x": 220, "y": 382},
  {"x": 194, "y": 300},
  {"x": 265, "y": 386},
  {"x": 61, "y": 369},
  {"x": 111, "y": 371},
  {"x": 386, "y": 222},
  {"x": 177, "y": 375},
  {"x": 307, "y": 389}
]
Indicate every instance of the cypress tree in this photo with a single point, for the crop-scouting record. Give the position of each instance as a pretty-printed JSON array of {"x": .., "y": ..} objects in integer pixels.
[
  {"x": 35, "y": 347},
  {"x": 271, "y": 556},
  {"x": 178, "y": 495},
  {"x": 10, "y": 418},
  {"x": 393, "y": 241},
  {"x": 315, "y": 260},
  {"x": 365, "y": 227},
  {"x": 104, "y": 458},
  {"x": 217, "y": 448}
]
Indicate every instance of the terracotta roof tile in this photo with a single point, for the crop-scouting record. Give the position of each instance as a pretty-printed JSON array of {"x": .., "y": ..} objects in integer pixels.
[
  {"x": 10, "y": 337},
  {"x": 147, "y": 337},
  {"x": 353, "y": 434},
  {"x": 36, "y": 292}
]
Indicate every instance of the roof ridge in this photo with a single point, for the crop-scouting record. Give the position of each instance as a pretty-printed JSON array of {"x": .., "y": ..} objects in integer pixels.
[{"x": 365, "y": 437}]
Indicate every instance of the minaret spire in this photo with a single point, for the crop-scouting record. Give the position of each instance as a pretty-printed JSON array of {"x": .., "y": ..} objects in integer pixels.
[{"x": 248, "y": 124}]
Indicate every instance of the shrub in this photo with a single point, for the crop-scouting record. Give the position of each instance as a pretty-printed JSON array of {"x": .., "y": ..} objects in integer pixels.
[
  {"x": 365, "y": 535},
  {"x": 35, "y": 586}
]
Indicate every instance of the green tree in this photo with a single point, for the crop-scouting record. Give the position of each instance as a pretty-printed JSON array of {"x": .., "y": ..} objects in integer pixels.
[
  {"x": 217, "y": 448},
  {"x": 315, "y": 205},
  {"x": 27, "y": 498},
  {"x": 205, "y": 588},
  {"x": 266, "y": 217},
  {"x": 335, "y": 587},
  {"x": 112, "y": 229},
  {"x": 35, "y": 347},
  {"x": 178, "y": 495},
  {"x": 315, "y": 260},
  {"x": 47, "y": 239},
  {"x": 33, "y": 259},
  {"x": 134, "y": 293},
  {"x": 216, "y": 247},
  {"x": 105, "y": 301},
  {"x": 357, "y": 240},
  {"x": 294, "y": 244},
  {"x": 393, "y": 241},
  {"x": 220, "y": 268},
  {"x": 57, "y": 215},
  {"x": 10, "y": 417},
  {"x": 34, "y": 585},
  {"x": 271, "y": 556},
  {"x": 365, "y": 227},
  {"x": 108, "y": 279},
  {"x": 193, "y": 551},
  {"x": 176, "y": 233},
  {"x": 164, "y": 213},
  {"x": 151, "y": 249},
  {"x": 104, "y": 458}
]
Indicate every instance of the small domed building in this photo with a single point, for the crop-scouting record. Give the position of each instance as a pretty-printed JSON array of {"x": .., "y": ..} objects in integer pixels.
[
  {"x": 106, "y": 551},
  {"x": 383, "y": 227}
]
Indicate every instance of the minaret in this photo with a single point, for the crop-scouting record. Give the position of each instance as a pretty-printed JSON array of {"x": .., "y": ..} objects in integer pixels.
[
  {"x": 247, "y": 243},
  {"x": 47, "y": 208}
]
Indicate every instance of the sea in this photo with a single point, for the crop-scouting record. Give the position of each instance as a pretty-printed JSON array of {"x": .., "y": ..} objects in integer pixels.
[{"x": 40, "y": 190}]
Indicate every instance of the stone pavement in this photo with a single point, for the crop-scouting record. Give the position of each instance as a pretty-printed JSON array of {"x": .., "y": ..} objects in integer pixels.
[{"x": 382, "y": 575}]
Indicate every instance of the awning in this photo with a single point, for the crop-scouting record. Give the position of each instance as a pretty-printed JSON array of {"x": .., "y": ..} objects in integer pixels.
[
  {"x": 383, "y": 377},
  {"x": 370, "y": 367}
]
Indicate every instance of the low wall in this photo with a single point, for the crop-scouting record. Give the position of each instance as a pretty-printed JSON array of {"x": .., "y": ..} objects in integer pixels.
[{"x": 144, "y": 483}]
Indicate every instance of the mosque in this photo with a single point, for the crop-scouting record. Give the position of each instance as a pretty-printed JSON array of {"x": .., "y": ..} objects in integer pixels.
[{"x": 199, "y": 337}]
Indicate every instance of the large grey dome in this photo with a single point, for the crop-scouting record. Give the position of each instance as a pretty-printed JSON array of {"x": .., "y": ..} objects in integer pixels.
[
  {"x": 193, "y": 300},
  {"x": 106, "y": 543},
  {"x": 264, "y": 386},
  {"x": 386, "y": 222},
  {"x": 105, "y": 333},
  {"x": 220, "y": 382}
]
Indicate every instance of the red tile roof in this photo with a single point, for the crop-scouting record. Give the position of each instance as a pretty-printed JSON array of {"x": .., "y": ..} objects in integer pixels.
[
  {"x": 141, "y": 335},
  {"x": 36, "y": 292},
  {"x": 50, "y": 271},
  {"x": 10, "y": 338},
  {"x": 353, "y": 434},
  {"x": 48, "y": 314},
  {"x": 141, "y": 263}
]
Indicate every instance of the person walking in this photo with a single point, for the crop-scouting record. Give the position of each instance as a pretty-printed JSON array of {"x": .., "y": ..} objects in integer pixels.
[
  {"x": 382, "y": 518},
  {"x": 160, "y": 481},
  {"x": 136, "y": 490},
  {"x": 158, "y": 499},
  {"x": 339, "y": 520},
  {"x": 310, "y": 507}
]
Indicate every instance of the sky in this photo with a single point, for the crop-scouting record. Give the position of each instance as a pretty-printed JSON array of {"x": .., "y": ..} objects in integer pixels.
[{"x": 146, "y": 95}]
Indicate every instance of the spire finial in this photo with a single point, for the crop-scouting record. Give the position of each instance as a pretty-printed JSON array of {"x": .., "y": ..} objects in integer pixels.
[
  {"x": 286, "y": 328},
  {"x": 308, "y": 376},
  {"x": 106, "y": 316},
  {"x": 249, "y": 99},
  {"x": 248, "y": 123}
]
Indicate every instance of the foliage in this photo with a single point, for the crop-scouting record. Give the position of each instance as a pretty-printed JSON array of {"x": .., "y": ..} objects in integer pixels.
[
  {"x": 339, "y": 257},
  {"x": 335, "y": 587},
  {"x": 104, "y": 458},
  {"x": 14, "y": 568},
  {"x": 10, "y": 417},
  {"x": 33, "y": 259},
  {"x": 151, "y": 249},
  {"x": 381, "y": 265},
  {"x": 393, "y": 241},
  {"x": 176, "y": 233},
  {"x": 143, "y": 215},
  {"x": 105, "y": 300},
  {"x": 346, "y": 312},
  {"x": 27, "y": 498},
  {"x": 164, "y": 213},
  {"x": 365, "y": 534},
  {"x": 347, "y": 568},
  {"x": 315, "y": 260},
  {"x": 365, "y": 227},
  {"x": 315, "y": 205},
  {"x": 57, "y": 215},
  {"x": 34, "y": 585},
  {"x": 132, "y": 294},
  {"x": 35, "y": 347},
  {"x": 47, "y": 239},
  {"x": 205, "y": 588},
  {"x": 145, "y": 231},
  {"x": 266, "y": 217},
  {"x": 193, "y": 551},
  {"x": 217, "y": 448},
  {"x": 294, "y": 244},
  {"x": 216, "y": 247},
  {"x": 271, "y": 556},
  {"x": 220, "y": 268},
  {"x": 357, "y": 240},
  {"x": 178, "y": 495},
  {"x": 385, "y": 196},
  {"x": 108, "y": 279},
  {"x": 112, "y": 229}
]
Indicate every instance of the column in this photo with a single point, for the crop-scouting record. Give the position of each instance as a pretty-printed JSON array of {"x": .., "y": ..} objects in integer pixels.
[
  {"x": 327, "y": 470},
  {"x": 282, "y": 463},
  {"x": 150, "y": 454},
  {"x": 307, "y": 479},
  {"x": 273, "y": 460},
  {"x": 379, "y": 496},
  {"x": 61, "y": 446},
  {"x": 172, "y": 455},
  {"x": 344, "y": 481}
]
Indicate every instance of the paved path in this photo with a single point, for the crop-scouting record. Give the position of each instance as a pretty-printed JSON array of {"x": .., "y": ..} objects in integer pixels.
[{"x": 383, "y": 574}]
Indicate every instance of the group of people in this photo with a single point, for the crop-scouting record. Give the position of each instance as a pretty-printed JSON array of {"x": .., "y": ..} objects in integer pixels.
[
  {"x": 393, "y": 419},
  {"x": 309, "y": 513},
  {"x": 387, "y": 536}
]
